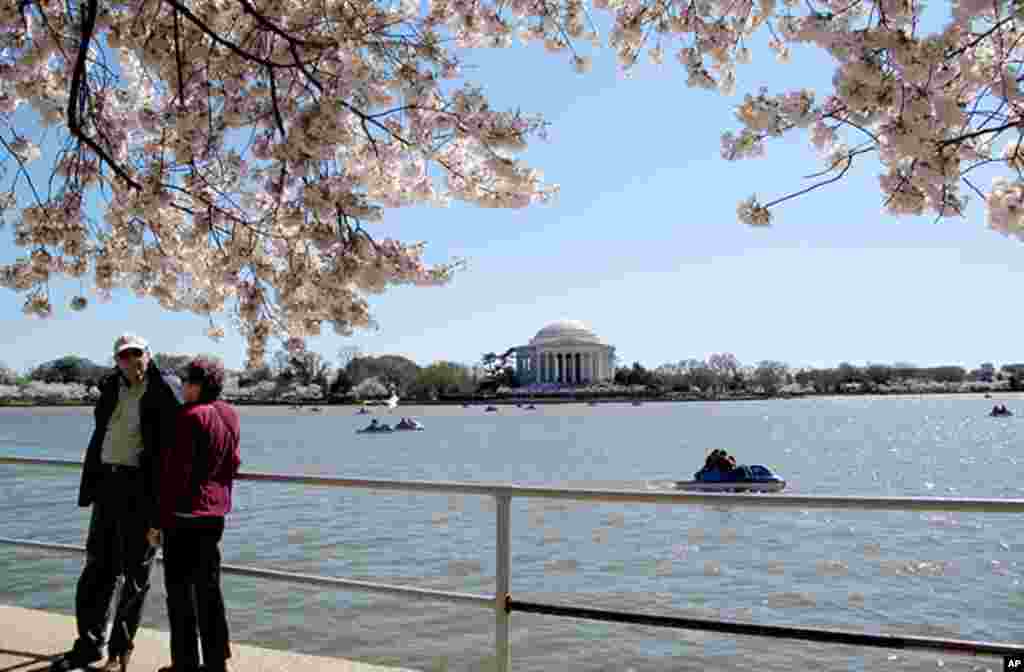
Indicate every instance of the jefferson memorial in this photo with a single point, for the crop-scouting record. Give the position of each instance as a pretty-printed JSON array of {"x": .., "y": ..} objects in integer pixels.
[{"x": 565, "y": 352}]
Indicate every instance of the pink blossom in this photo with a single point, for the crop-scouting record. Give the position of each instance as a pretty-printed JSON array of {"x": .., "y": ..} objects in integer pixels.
[{"x": 188, "y": 216}]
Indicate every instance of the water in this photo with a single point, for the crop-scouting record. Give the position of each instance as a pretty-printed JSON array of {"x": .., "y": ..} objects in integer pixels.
[{"x": 951, "y": 575}]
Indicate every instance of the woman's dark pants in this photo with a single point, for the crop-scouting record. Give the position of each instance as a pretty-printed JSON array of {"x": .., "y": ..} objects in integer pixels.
[
  {"x": 194, "y": 598},
  {"x": 116, "y": 547}
]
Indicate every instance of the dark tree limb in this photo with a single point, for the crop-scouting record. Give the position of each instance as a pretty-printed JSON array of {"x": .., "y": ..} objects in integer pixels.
[
  {"x": 842, "y": 173},
  {"x": 77, "y": 94}
]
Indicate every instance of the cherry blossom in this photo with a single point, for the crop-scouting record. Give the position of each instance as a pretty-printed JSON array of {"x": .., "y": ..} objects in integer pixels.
[
  {"x": 246, "y": 152},
  {"x": 936, "y": 100}
]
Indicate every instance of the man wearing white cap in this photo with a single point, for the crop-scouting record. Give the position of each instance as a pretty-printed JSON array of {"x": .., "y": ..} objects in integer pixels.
[{"x": 135, "y": 420}]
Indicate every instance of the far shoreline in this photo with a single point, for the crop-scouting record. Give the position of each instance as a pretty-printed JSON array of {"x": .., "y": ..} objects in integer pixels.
[{"x": 513, "y": 400}]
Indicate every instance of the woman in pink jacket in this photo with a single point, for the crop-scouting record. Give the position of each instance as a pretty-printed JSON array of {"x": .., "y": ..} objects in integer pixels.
[{"x": 195, "y": 495}]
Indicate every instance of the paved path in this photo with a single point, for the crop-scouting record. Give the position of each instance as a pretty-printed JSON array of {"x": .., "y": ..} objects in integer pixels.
[{"x": 30, "y": 638}]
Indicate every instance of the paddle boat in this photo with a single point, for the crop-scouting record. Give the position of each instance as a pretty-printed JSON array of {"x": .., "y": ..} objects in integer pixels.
[
  {"x": 753, "y": 478},
  {"x": 409, "y": 425},
  {"x": 375, "y": 428},
  {"x": 1000, "y": 412}
]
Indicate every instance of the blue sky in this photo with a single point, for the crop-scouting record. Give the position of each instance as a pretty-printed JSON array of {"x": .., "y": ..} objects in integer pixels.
[{"x": 643, "y": 245}]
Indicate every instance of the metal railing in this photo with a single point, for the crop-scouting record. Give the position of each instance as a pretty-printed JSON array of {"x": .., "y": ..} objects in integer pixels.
[{"x": 503, "y": 603}]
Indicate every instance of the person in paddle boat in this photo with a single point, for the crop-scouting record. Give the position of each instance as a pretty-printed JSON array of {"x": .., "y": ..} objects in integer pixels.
[
  {"x": 721, "y": 466},
  {"x": 712, "y": 469},
  {"x": 407, "y": 423},
  {"x": 376, "y": 426}
]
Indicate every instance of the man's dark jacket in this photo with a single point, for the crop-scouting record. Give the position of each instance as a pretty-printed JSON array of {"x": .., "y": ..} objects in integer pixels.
[{"x": 157, "y": 413}]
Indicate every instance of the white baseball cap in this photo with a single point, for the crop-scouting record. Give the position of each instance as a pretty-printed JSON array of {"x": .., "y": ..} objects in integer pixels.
[{"x": 129, "y": 342}]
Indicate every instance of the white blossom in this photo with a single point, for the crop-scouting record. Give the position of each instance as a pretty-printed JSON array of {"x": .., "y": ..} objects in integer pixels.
[{"x": 275, "y": 233}]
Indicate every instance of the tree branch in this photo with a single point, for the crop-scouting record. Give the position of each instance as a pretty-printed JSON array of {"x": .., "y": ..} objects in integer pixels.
[
  {"x": 274, "y": 104},
  {"x": 269, "y": 25},
  {"x": 976, "y": 190},
  {"x": 979, "y": 39},
  {"x": 76, "y": 99},
  {"x": 221, "y": 41},
  {"x": 832, "y": 167},
  {"x": 849, "y": 162},
  {"x": 177, "y": 58},
  {"x": 984, "y": 131},
  {"x": 22, "y": 170}
]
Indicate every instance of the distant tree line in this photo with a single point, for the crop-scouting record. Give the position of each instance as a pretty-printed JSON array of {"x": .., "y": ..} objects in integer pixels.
[
  {"x": 723, "y": 374},
  {"x": 306, "y": 375},
  {"x": 292, "y": 375}
]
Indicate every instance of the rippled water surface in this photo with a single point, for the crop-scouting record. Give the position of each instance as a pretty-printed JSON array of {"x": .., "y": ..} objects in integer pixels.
[{"x": 950, "y": 575}]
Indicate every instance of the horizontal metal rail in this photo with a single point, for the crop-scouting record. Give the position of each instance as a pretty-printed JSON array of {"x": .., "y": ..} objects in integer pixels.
[
  {"x": 485, "y": 601},
  {"x": 503, "y": 603},
  {"x": 757, "y": 500},
  {"x": 826, "y": 635}
]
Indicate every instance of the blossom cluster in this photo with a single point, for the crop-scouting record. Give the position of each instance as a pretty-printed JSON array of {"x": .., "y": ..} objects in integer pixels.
[
  {"x": 932, "y": 107},
  {"x": 254, "y": 179},
  {"x": 251, "y": 180},
  {"x": 934, "y": 101}
]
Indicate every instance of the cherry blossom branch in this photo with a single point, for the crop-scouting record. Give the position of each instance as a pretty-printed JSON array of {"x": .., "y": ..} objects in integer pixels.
[
  {"x": 177, "y": 58},
  {"x": 221, "y": 41},
  {"x": 979, "y": 133},
  {"x": 848, "y": 161},
  {"x": 22, "y": 170},
  {"x": 76, "y": 98},
  {"x": 269, "y": 25},
  {"x": 274, "y": 104},
  {"x": 976, "y": 190},
  {"x": 847, "y": 122}
]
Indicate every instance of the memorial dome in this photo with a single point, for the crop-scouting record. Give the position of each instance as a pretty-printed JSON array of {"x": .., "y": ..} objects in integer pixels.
[{"x": 565, "y": 331}]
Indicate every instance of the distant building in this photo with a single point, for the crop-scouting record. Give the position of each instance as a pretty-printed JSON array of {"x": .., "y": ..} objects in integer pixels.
[{"x": 565, "y": 352}]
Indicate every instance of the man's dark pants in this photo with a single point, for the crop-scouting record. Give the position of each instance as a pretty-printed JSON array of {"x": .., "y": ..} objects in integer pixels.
[
  {"x": 194, "y": 597},
  {"x": 116, "y": 547}
]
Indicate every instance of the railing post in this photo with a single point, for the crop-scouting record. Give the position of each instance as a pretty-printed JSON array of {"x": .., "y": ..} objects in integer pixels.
[{"x": 503, "y": 549}]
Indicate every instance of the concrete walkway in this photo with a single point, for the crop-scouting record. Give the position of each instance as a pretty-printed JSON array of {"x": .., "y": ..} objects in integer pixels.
[{"x": 30, "y": 638}]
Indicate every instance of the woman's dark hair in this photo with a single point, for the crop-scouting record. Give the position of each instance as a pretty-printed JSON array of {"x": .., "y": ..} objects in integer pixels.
[{"x": 208, "y": 374}]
